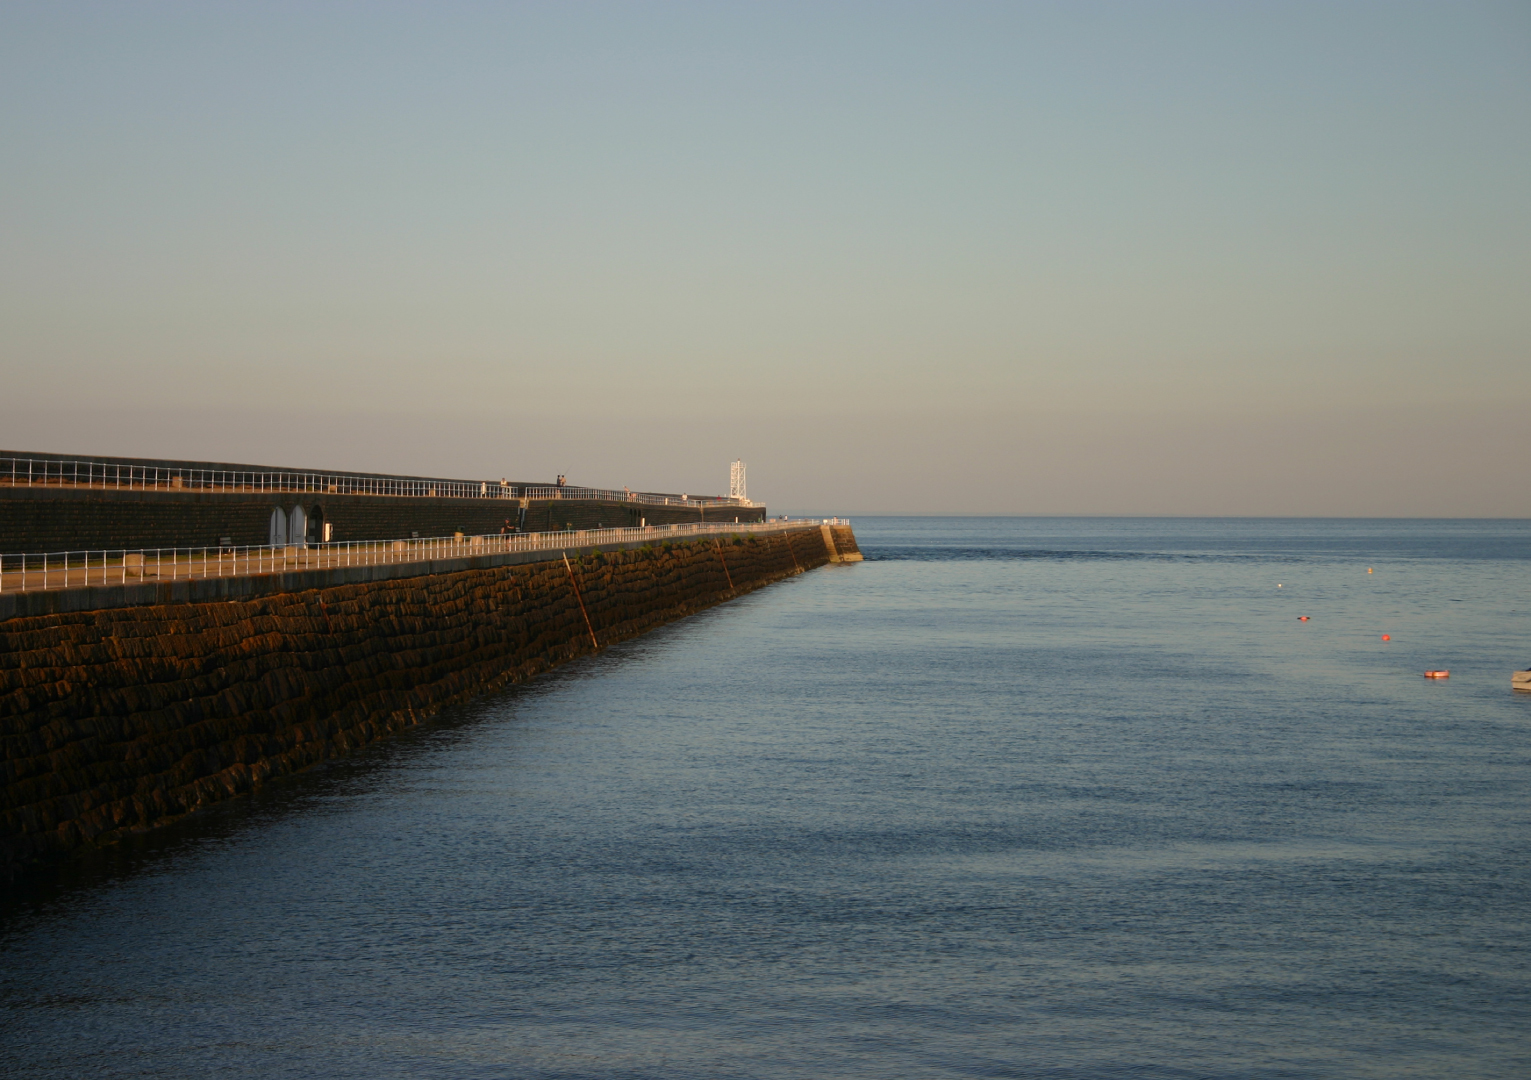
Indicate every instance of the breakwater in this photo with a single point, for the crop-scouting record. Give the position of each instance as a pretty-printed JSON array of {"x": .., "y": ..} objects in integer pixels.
[
  {"x": 51, "y": 503},
  {"x": 65, "y": 518},
  {"x": 118, "y": 719}
]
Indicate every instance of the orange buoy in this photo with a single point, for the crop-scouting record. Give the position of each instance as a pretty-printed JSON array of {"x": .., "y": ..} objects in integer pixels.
[
  {"x": 1437, "y": 674},
  {"x": 1368, "y": 569},
  {"x": 1302, "y": 618},
  {"x": 1387, "y": 637}
]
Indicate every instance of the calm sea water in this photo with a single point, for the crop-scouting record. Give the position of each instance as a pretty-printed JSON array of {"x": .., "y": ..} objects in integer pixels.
[{"x": 1013, "y": 798}]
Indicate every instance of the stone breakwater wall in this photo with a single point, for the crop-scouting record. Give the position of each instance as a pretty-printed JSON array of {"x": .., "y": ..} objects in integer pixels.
[{"x": 117, "y": 719}]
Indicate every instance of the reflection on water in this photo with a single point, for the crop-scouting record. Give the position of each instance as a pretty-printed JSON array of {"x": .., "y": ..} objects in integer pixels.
[{"x": 989, "y": 804}]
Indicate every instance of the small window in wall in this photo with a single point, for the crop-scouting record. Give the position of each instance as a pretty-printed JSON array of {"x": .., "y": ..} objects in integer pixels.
[
  {"x": 278, "y": 527},
  {"x": 297, "y": 525}
]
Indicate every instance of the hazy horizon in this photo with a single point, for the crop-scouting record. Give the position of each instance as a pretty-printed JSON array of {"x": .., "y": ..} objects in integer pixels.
[{"x": 1102, "y": 259}]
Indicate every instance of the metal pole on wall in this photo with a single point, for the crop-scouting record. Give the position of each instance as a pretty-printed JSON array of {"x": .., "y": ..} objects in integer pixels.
[
  {"x": 724, "y": 561},
  {"x": 569, "y": 567}
]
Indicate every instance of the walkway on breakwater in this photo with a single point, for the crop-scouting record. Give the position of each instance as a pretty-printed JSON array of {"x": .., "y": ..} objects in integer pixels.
[
  {"x": 131, "y": 577},
  {"x": 143, "y": 475}
]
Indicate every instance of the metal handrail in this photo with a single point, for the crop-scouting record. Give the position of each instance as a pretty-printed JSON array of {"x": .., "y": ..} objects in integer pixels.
[
  {"x": 648, "y": 498},
  {"x": 35, "y": 572},
  {"x": 34, "y": 472}
]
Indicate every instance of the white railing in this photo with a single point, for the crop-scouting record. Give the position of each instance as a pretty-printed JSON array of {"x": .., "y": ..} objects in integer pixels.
[
  {"x": 80, "y": 569},
  {"x": 647, "y": 498},
  {"x": 54, "y": 472}
]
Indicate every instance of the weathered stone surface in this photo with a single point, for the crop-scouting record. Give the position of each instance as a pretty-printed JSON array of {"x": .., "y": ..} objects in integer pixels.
[
  {"x": 118, "y": 720},
  {"x": 841, "y": 542}
]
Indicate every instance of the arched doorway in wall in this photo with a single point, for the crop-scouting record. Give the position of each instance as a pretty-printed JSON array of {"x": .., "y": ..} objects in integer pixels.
[
  {"x": 315, "y": 534},
  {"x": 278, "y": 527},
  {"x": 297, "y": 525}
]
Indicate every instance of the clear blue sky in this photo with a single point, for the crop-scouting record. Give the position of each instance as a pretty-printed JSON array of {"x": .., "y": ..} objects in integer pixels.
[{"x": 1021, "y": 258}]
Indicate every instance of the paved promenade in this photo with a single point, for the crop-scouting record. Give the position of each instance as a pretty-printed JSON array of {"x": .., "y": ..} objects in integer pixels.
[{"x": 92, "y": 569}]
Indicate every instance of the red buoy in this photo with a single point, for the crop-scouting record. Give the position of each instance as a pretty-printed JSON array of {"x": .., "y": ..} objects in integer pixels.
[{"x": 1387, "y": 637}]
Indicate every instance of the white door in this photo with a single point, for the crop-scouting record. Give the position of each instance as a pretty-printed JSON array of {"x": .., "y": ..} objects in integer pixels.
[
  {"x": 278, "y": 527},
  {"x": 297, "y": 526}
]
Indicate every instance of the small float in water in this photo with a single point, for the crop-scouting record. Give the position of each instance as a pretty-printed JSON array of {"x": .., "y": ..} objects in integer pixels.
[
  {"x": 1521, "y": 680},
  {"x": 1437, "y": 674}
]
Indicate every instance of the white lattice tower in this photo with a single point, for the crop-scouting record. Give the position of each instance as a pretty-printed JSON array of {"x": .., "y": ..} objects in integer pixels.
[{"x": 736, "y": 482}]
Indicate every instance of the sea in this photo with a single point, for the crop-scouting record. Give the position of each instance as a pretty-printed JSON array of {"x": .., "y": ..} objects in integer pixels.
[{"x": 1014, "y": 797}]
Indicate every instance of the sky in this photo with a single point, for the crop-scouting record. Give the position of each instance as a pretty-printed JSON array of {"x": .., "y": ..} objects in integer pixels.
[{"x": 1019, "y": 258}]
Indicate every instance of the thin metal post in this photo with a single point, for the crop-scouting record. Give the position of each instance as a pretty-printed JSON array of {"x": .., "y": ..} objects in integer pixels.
[{"x": 581, "y": 600}]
